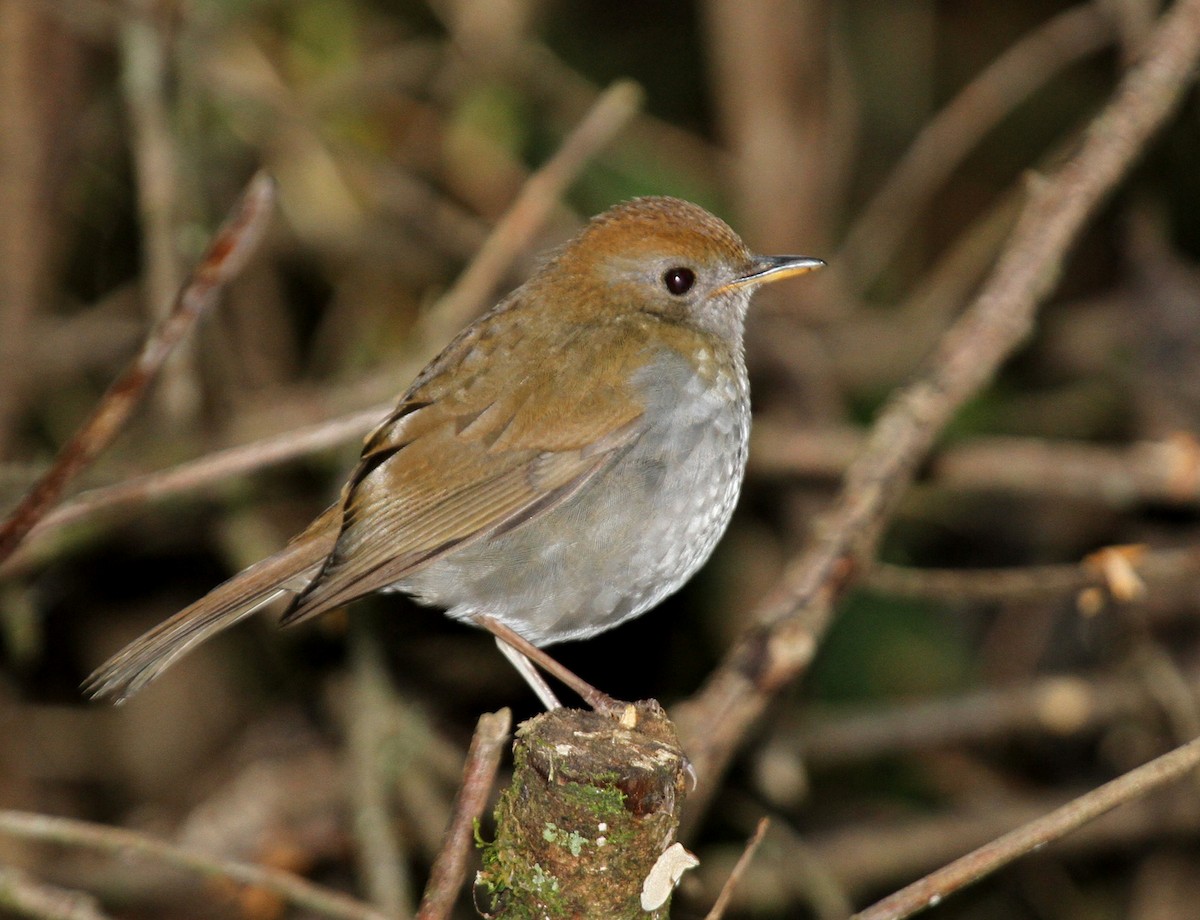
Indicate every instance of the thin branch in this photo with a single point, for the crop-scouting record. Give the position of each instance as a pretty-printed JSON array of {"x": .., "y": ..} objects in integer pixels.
[
  {"x": 981, "y": 586},
  {"x": 1157, "y": 471},
  {"x": 796, "y": 615},
  {"x": 27, "y": 100},
  {"x": 479, "y": 773},
  {"x": 779, "y": 114},
  {"x": 121, "y": 844},
  {"x": 1167, "y": 470},
  {"x": 27, "y": 898},
  {"x": 1154, "y": 568},
  {"x": 831, "y": 737},
  {"x": 145, "y": 74},
  {"x": 866, "y": 857},
  {"x": 541, "y": 192},
  {"x": 950, "y": 135},
  {"x": 225, "y": 257},
  {"x": 216, "y": 467},
  {"x": 382, "y": 860},
  {"x": 739, "y": 869},
  {"x": 194, "y": 475},
  {"x": 933, "y": 888}
]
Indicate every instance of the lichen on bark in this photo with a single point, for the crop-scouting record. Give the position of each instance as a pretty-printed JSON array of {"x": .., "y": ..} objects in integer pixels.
[{"x": 593, "y": 803}]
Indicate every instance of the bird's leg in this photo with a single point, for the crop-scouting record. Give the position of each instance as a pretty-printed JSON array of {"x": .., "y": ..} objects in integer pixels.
[
  {"x": 524, "y": 654},
  {"x": 532, "y": 675}
]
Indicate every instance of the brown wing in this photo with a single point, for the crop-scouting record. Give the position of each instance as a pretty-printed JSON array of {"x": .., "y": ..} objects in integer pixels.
[{"x": 463, "y": 457}]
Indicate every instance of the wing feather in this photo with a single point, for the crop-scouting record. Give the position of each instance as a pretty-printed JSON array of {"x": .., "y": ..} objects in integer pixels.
[{"x": 452, "y": 467}]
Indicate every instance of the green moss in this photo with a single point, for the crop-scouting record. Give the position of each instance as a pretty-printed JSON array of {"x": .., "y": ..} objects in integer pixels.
[
  {"x": 604, "y": 801},
  {"x": 504, "y": 872},
  {"x": 500, "y": 876}
]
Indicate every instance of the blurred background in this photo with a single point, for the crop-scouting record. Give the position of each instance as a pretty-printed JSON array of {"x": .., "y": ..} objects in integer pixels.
[{"x": 890, "y": 138}]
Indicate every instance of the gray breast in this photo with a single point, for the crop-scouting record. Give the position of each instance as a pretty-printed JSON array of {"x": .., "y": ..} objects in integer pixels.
[{"x": 630, "y": 537}]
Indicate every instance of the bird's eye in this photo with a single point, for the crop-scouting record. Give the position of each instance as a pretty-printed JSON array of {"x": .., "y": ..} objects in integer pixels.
[{"x": 679, "y": 280}]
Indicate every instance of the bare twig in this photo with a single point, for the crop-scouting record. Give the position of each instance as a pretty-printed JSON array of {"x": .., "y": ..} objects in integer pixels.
[
  {"x": 194, "y": 475},
  {"x": 933, "y": 888},
  {"x": 27, "y": 898},
  {"x": 1167, "y": 685},
  {"x": 121, "y": 843},
  {"x": 861, "y": 858},
  {"x": 541, "y": 191},
  {"x": 1057, "y": 705},
  {"x": 226, "y": 254},
  {"x": 27, "y": 100},
  {"x": 479, "y": 773},
  {"x": 777, "y": 113},
  {"x": 1155, "y": 568},
  {"x": 1157, "y": 471},
  {"x": 216, "y": 467},
  {"x": 739, "y": 869},
  {"x": 948, "y": 137},
  {"x": 145, "y": 74},
  {"x": 382, "y": 860},
  {"x": 1120, "y": 476},
  {"x": 794, "y": 618}
]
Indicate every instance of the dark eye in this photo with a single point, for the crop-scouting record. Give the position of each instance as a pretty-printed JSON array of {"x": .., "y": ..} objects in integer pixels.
[{"x": 679, "y": 280}]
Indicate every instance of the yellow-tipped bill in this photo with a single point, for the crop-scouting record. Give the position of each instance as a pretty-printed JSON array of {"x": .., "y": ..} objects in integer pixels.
[{"x": 766, "y": 269}]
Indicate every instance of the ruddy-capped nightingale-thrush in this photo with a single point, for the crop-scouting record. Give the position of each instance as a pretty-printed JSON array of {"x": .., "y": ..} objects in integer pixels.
[{"x": 568, "y": 461}]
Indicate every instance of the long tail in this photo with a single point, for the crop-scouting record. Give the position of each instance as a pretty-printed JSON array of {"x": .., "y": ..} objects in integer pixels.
[{"x": 148, "y": 656}]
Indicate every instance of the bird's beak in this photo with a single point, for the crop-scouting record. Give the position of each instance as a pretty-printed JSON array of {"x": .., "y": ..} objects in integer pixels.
[{"x": 765, "y": 269}]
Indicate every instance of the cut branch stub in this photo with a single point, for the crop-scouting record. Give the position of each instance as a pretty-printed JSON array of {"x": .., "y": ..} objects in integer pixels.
[{"x": 593, "y": 804}]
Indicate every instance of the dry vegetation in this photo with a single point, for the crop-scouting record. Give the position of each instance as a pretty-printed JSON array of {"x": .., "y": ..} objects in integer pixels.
[{"x": 961, "y": 587}]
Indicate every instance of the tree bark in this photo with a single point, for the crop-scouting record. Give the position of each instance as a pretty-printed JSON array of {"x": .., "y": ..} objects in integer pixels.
[{"x": 594, "y": 803}]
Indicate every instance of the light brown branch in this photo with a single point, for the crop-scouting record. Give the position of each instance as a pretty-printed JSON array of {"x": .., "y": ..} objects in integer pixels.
[
  {"x": 831, "y": 737},
  {"x": 217, "y": 467},
  {"x": 1154, "y": 568},
  {"x": 145, "y": 74},
  {"x": 382, "y": 861},
  {"x": 1118, "y": 476},
  {"x": 864, "y": 857},
  {"x": 933, "y": 888},
  {"x": 479, "y": 773},
  {"x": 541, "y": 191},
  {"x": 739, "y": 869},
  {"x": 27, "y": 898},
  {"x": 776, "y": 111},
  {"x": 194, "y": 475},
  {"x": 26, "y": 100},
  {"x": 121, "y": 844},
  {"x": 226, "y": 255},
  {"x": 951, "y": 134}
]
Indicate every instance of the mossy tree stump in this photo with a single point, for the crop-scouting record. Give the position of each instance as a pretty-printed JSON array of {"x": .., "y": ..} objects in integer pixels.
[{"x": 594, "y": 803}]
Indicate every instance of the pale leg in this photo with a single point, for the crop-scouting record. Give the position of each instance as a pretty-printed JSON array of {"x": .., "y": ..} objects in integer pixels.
[
  {"x": 518, "y": 647},
  {"x": 531, "y": 674}
]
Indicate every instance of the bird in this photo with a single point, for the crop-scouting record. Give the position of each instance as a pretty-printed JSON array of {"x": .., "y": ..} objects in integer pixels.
[{"x": 570, "y": 459}]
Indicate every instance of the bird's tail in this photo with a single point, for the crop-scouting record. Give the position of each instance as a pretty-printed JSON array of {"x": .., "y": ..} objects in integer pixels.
[{"x": 146, "y": 657}]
